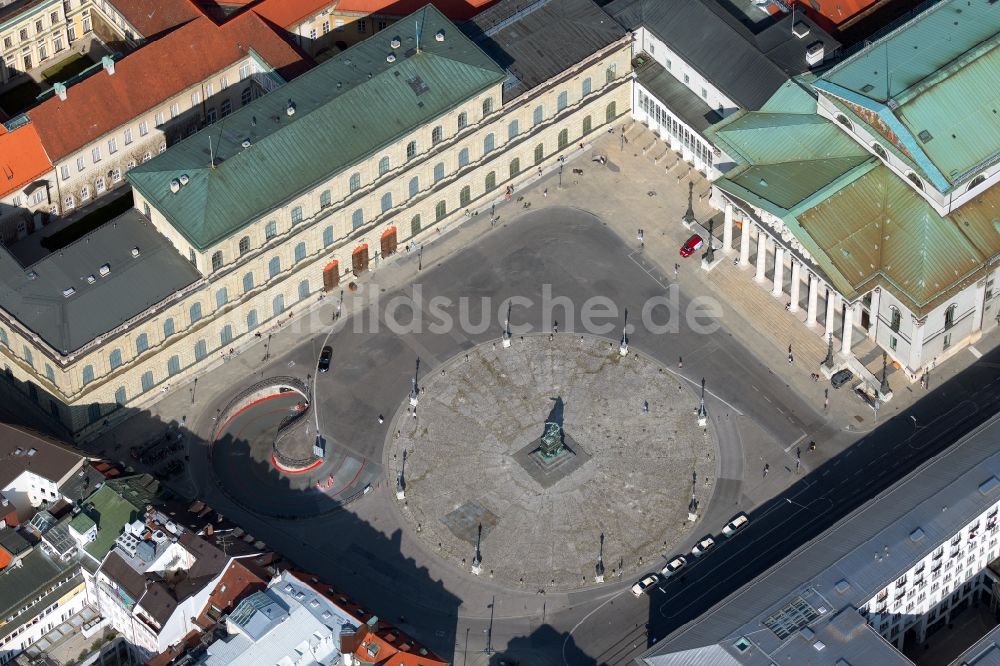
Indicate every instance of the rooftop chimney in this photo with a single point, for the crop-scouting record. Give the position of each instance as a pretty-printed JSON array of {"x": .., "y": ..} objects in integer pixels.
[
  {"x": 109, "y": 64},
  {"x": 60, "y": 90}
]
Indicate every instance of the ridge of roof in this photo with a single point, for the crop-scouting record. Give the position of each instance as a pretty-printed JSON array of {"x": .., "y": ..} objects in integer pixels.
[{"x": 22, "y": 158}]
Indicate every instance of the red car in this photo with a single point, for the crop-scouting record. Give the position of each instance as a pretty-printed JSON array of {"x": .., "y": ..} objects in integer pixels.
[{"x": 692, "y": 245}]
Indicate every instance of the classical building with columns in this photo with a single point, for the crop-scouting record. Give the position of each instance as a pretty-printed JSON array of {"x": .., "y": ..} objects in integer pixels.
[
  {"x": 273, "y": 205},
  {"x": 880, "y": 204}
]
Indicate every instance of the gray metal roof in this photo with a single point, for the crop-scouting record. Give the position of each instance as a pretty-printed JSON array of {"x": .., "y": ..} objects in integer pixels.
[
  {"x": 37, "y": 571},
  {"x": 837, "y": 572},
  {"x": 984, "y": 652},
  {"x": 48, "y": 458},
  {"x": 34, "y": 295},
  {"x": 748, "y": 68},
  {"x": 259, "y": 613},
  {"x": 535, "y": 41},
  {"x": 333, "y": 116},
  {"x": 680, "y": 99}
]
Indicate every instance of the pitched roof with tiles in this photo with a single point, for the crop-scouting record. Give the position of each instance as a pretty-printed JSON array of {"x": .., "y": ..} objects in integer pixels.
[
  {"x": 236, "y": 583},
  {"x": 153, "y": 18},
  {"x": 22, "y": 158},
  {"x": 344, "y": 110},
  {"x": 158, "y": 71},
  {"x": 289, "y": 13},
  {"x": 51, "y": 459}
]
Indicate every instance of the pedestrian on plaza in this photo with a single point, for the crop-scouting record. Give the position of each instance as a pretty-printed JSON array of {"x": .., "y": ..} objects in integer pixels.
[
  {"x": 381, "y": 419},
  {"x": 545, "y": 192},
  {"x": 677, "y": 268},
  {"x": 257, "y": 335},
  {"x": 555, "y": 327},
  {"x": 790, "y": 360},
  {"x": 645, "y": 406},
  {"x": 767, "y": 468},
  {"x": 680, "y": 362},
  {"x": 539, "y": 171}
]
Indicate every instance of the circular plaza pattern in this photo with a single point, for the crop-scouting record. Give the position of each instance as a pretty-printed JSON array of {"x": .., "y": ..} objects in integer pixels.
[{"x": 470, "y": 457}]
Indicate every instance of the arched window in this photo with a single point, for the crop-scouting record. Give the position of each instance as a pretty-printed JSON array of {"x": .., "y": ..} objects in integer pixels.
[
  {"x": 512, "y": 129},
  {"x": 278, "y": 305},
  {"x": 539, "y": 153},
  {"x": 115, "y": 358},
  {"x": 894, "y": 318},
  {"x": 563, "y": 138},
  {"x": 200, "y": 350},
  {"x": 515, "y": 166},
  {"x": 252, "y": 322},
  {"x": 246, "y": 96},
  {"x": 438, "y": 171},
  {"x": 355, "y": 183},
  {"x": 537, "y": 115},
  {"x": 915, "y": 179},
  {"x": 303, "y": 289},
  {"x": 273, "y": 267},
  {"x": 247, "y": 282},
  {"x": 195, "y": 312},
  {"x": 610, "y": 113},
  {"x": 3, "y": 338},
  {"x": 463, "y": 157},
  {"x": 491, "y": 180},
  {"x": 842, "y": 119},
  {"x": 271, "y": 230},
  {"x": 949, "y": 317},
  {"x": 440, "y": 210},
  {"x": 562, "y": 101},
  {"x": 300, "y": 251},
  {"x": 328, "y": 237},
  {"x": 173, "y": 365},
  {"x": 411, "y": 150},
  {"x": 221, "y": 297},
  {"x": 357, "y": 219},
  {"x": 610, "y": 73},
  {"x": 880, "y": 151},
  {"x": 587, "y": 86},
  {"x": 88, "y": 374},
  {"x": 487, "y": 106},
  {"x": 244, "y": 245},
  {"x": 588, "y": 124},
  {"x": 386, "y": 201},
  {"x": 141, "y": 343},
  {"x": 296, "y": 215},
  {"x": 465, "y": 196},
  {"x": 976, "y": 182},
  {"x": 415, "y": 225},
  {"x": 147, "y": 381},
  {"x": 30, "y": 359},
  {"x": 488, "y": 143},
  {"x": 50, "y": 373},
  {"x": 383, "y": 166},
  {"x": 414, "y": 186},
  {"x": 168, "y": 327},
  {"x": 436, "y": 134},
  {"x": 463, "y": 120},
  {"x": 120, "y": 396},
  {"x": 226, "y": 336},
  {"x": 217, "y": 260},
  {"x": 325, "y": 199}
]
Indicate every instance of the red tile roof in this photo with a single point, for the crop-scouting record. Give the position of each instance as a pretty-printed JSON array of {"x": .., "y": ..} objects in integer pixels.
[
  {"x": 288, "y": 13},
  {"x": 154, "y": 18},
  {"x": 154, "y": 73},
  {"x": 22, "y": 158},
  {"x": 237, "y": 582}
]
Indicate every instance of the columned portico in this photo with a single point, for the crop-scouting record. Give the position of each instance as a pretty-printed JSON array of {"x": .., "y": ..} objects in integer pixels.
[
  {"x": 917, "y": 343},
  {"x": 873, "y": 309},
  {"x": 745, "y": 243},
  {"x": 796, "y": 279},
  {"x": 813, "y": 300},
  {"x": 845, "y": 340},
  {"x": 830, "y": 305},
  {"x": 779, "y": 268},
  {"x": 727, "y": 229},
  {"x": 761, "y": 255}
]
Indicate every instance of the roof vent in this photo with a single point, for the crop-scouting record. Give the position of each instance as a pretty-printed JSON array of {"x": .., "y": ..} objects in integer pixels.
[
  {"x": 246, "y": 144},
  {"x": 916, "y": 535},
  {"x": 32, "y": 275},
  {"x": 175, "y": 186},
  {"x": 135, "y": 251},
  {"x": 104, "y": 269},
  {"x": 800, "y": 29},
  {"x": 68, "y": 291},
  {"x": 32, "y": 452},
  {"x": 184, "y": 179},
  {"x": 391, "y": 57},
  {"x": 439, "y": 36},
  {"x": 925, "y": 136},
  {"x": 290, "y": 109},
  {"x": 60, "y": 89},
  {"x": 395, "y": 43},
  {"x": 815, "y": 54},
  {"x": 867, "y": 88},
  {"x": 91, "y": 279}
]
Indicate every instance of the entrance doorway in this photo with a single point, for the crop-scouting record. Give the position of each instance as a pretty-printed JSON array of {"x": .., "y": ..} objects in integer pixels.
[
  {"x": 359, "y": 259},
  {"x": 331, "y": 275},
  {"x": 389, "y": 242}
]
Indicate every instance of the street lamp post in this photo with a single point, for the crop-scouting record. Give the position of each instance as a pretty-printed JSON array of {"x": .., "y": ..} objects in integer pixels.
[
  {"x": 506, "y": 328},
  {"x": 489, "y": 631},
  {"x": 710, "y": 253},
  {"x": 689, "y": 213},
  {"x": 420, "y": 257},
  {"x": 702, "y": 412},
  {"x": 884, "y": 388},
  {"x": 414, "y": 389},
  {"x": 267, "y": 347},
  {"x": 828, "y": 361},
  {"x": 401, "y": 480},
  {"x": 194, "y": 388},
  {"x": 477, "y": 558}
]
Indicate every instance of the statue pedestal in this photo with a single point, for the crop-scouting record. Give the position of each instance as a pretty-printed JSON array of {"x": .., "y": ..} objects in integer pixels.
[
  {"x": 623, "y": 349},
  {"x": 599, "y": 579},
  {"x": 413, "y": 401},
  {"x": 692, "y": 517},
  {"x": 476, "y": 569},
  {"x": 506, "y": 343},
  {"x": 401, "y": 494}
]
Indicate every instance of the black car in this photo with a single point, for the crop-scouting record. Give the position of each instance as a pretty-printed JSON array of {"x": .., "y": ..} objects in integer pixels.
[
  {"x": 324, "y": 359},
  {"x": 841, "y": 377}
]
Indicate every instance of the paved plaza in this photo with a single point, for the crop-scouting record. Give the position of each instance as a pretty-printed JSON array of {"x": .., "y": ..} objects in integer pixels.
[{"x": 627, "y": 472}]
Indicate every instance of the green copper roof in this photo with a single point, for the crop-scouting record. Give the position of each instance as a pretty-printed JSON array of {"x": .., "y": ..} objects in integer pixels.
[
  {"x": 115, "y": 504},
  {"x": 344, "y": 110},
  {"x": 81, "y": 523}
]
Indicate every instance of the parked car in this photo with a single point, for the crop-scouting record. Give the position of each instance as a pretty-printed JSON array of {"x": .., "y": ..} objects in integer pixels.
[
  {"x": 735, "y": 525},
  {"x": 703, "y": 546},
  {"x": 841, "y": 377},
  {"x": 692, "y": 245},
  {"x": 324, "y": 358},
  {"x": 673, "y": 566},
  {"x": 644, "y": 584}
]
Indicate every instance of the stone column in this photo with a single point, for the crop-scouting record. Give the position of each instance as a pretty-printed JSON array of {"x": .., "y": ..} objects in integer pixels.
[
  {"x": 977, "y": 316},
  {"x": 830, "y": 303},
  {"x": 845, "y": 340},
  {"x": 779, "y": 267},
  {"x": 796, "y": 280},
  {"x": 727, "y": 229},
  {"x": 813, "y": 300},
  {"x": 761, "y": 255},
  {"x": 917, "y": 343},
  {"x": 873, "y": 313},
  {"x": 745, "y": 243}
]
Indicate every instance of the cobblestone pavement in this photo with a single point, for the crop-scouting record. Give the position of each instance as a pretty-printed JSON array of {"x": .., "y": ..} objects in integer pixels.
[{"x": 629, "y": 473}]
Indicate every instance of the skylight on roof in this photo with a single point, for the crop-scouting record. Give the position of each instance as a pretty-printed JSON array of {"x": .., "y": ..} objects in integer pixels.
[{"x": 418, "y": 86}]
